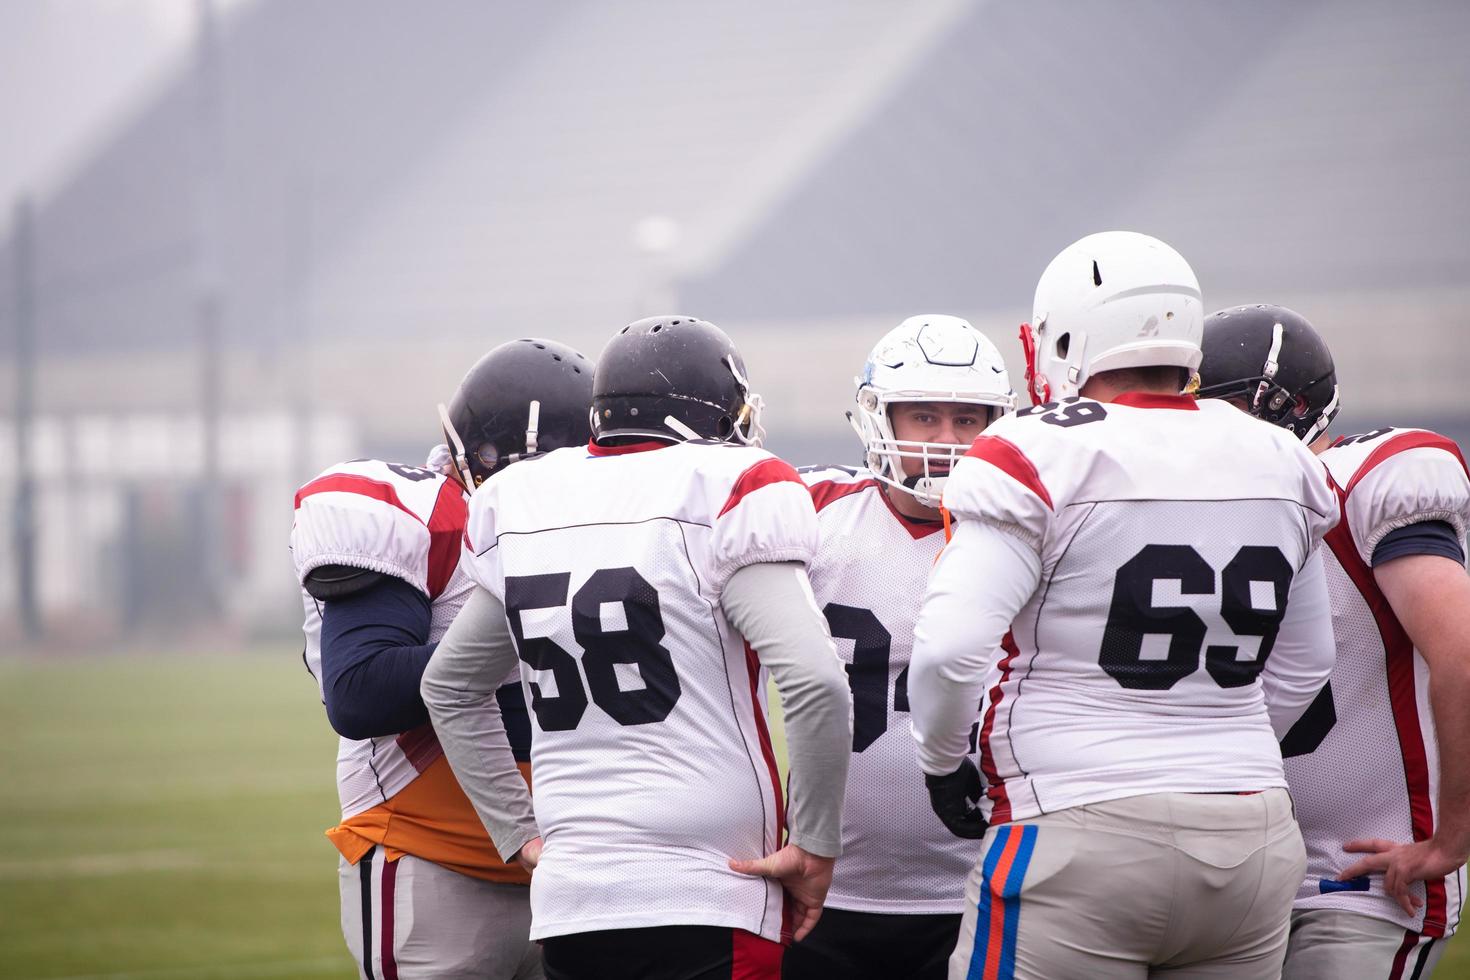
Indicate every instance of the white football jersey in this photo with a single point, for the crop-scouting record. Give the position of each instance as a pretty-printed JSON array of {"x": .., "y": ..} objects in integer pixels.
[
  {"x": 403, "y": 521},
  {"x": 1364, "y": 761},
  {"x": 869, "y": 578},
  {"x": 1170, "y": 534},
  {"x": 653, "y": 764}
]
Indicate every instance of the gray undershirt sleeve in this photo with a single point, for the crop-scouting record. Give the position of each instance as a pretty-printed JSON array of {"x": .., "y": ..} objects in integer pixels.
[
  {"x": 771, "y": 604},
  {"x": 471, "y": 661}
]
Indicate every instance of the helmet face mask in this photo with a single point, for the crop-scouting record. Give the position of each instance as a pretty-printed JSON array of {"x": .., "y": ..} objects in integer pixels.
[
  {"x": 931, "y": 359},
  {"x": 522, "y": 399},
  {"x": 1111, "y": 301}
]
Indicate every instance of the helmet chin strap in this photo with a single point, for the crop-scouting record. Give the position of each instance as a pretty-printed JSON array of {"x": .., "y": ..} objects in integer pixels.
[
  {"x": 532, "y": 426},
  {"x": 681, "y": 429},
  {"x": 456, "y": 449},
  {"x": 1323, "y": 420},
  {"x": 1272, "y": 365},
  {"x": 927, "y": 490}
]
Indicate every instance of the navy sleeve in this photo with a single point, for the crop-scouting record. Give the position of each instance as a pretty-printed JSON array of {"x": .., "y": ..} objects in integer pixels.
[
  {"x": 374, "y": 650},
  {"x": 1424, "y": 538}
]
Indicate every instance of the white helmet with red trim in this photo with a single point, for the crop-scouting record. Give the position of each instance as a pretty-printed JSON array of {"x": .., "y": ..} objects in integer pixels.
[
  {"x": 927, "y": 358},
  {"x": 1112, "y": 300}
]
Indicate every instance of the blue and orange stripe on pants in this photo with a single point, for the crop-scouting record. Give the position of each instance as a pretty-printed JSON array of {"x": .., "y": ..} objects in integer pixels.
[{"x": 994, "y": 954}]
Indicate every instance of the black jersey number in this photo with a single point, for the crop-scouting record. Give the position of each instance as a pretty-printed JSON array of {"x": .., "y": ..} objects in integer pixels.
[
  {"x": 1067, "y": 412},
  {"x": 867, "y": 675},
  {"x": 414, "y": 473},
  {"x": 602, "y": 649},
  {"x": 1310, "y": 730},
  {"x": 1133, "y": 615}
]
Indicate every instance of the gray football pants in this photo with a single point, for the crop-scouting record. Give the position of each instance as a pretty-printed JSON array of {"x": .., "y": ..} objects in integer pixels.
[
  {"x": 422, "y": 920},
  {"x": 1177, "y": 885},
  {"x": 1330, "y": 944}
]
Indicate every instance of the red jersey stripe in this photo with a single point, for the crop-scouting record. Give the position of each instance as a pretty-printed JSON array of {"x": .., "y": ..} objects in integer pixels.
[
  {"x": 1005, "y": 456},
  {"x": 828, "y": 491},
  {"x": 446, "y": 531},
  {"x": 1148, "y": 399},
  {"x": 1001, "y": 809},
  {"x": 1402, "y": 443},
  {"x": 1399, "y": 665},
  {"x": 762, "y": 474},
  {"x": 361, "y": 485},
  {"x": 420, "y": 746}
]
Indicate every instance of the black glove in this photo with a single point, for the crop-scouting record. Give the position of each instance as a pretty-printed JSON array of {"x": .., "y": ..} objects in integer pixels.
[{"x": 956, "y": 800}]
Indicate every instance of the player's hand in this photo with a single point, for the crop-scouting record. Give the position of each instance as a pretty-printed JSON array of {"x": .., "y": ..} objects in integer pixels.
[
  {"x": 956, "y": 800},
  {"x": 1403, "y": 864},
  {"x": 805, "y": 876},
  {"x": 529, "y": 855}
]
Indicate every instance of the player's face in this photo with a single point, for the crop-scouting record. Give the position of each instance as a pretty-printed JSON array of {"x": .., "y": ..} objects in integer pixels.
[{"x": 947, "y": 423}]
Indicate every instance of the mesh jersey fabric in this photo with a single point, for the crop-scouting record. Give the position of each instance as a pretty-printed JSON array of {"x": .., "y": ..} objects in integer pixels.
[
  {"x": 1172, "y": 536},
  {"x": 652, "y": 759},
  {"x": 407, "y": 522},
  {"x": 869, "y": 577},
  {"x": 1368, "y": 766}
]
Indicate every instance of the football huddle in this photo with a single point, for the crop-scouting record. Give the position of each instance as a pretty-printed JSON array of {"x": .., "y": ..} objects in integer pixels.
[{"x": 1155, "y": 676}]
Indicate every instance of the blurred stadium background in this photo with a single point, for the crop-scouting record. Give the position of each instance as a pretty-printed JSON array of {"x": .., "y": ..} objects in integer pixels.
[{"x": 242, "y": 240}]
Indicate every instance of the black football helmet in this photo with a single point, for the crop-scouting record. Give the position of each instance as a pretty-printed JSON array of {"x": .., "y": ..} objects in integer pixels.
[
  {"x": 522, "y": 399},
  {"x": 673, "y": 379},
  {"x": 1275, "y": 361}
]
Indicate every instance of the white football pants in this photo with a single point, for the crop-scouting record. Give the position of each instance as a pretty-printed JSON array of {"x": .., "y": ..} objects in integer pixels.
[
  {"x": 413, "y": 918},
  {"x": 1330, "y": 944},
  {"x": 1177, "y": 885}
]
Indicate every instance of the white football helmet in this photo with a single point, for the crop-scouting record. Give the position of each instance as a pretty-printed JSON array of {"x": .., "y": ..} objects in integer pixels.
[
  {"x": 928, "y": 358},
  {"x": 1113, "y": 300}
]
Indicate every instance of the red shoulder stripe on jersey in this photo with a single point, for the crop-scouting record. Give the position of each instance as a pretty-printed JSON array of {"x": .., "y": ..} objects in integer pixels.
[
  {"x": 828, "y": 491},
  {"x": 1005, "y": 456},
  {"x": 361, "y": 485},
  {"x": 632, "y": 447},
  {"x": 1402, "y": 443},
  {"x": 1148, "y": 399},
  {"x": 762, "y": 474},
  {"x": 446, "y": 530},
  {"x": 1001, "y": 811},
  {"x": 1399, "y": 665},
  {"x": 420, "y": 746}
]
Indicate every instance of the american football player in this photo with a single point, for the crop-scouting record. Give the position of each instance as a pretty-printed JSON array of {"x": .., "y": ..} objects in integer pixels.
[
  {"x": 1159, "y": 560},
  {"x": 1381, "y": 763},
  {"x": 647, "y": 581},
  {"x": 929, "y": 387},
  {"x": 376, "y": 547}
]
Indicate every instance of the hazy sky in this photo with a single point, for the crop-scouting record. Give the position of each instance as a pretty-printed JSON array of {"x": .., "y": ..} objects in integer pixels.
[{"x": 73, "y": 70}]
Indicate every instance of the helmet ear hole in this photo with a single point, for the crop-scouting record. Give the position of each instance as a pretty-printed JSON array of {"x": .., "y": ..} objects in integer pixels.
[
  {"x": 1064, "y": 344},
  {"x": 725, "y": 427}
]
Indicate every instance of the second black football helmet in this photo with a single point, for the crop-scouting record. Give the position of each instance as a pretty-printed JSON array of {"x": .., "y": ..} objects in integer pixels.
[
  {"x": 674, "y": 378},
  {"x": 522, "y": 399},
  {"x": 1276, "y": 362}
]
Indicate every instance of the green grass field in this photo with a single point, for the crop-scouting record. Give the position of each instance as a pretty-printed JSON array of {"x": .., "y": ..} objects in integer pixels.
[{"x": 162, "y": 818}]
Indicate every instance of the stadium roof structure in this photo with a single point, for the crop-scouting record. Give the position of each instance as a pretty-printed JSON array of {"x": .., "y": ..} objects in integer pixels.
[{"x": 375, "y": 173}]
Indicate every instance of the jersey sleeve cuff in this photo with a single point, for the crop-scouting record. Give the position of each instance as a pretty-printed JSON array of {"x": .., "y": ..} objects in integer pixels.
[
  {"x": 771, "y": 556},
  {"x": 368, "y": 562},
  {"x": 826, "y": 847},
  {"x": 1453, "y": 518}
]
